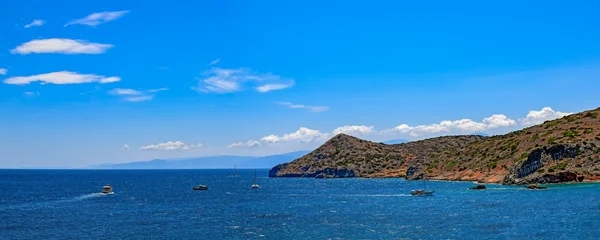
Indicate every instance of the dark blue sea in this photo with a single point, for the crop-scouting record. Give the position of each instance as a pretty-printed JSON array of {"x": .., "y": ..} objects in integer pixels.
[{"x": 160, "y": 204}]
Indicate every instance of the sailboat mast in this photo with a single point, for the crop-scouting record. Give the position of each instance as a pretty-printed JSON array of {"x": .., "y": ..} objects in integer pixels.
[{"x": 254, "y": 176}]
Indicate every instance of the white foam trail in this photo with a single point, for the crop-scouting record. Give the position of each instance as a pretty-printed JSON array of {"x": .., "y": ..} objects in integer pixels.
[
  {"x": 91, "y": 195},
  {"x": 36, "y": 205},
  {"x": 380, "y": 195}
]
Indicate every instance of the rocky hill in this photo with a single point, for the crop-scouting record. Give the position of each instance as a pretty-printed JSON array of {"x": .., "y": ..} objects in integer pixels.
[{"x": 562, "y": 150}]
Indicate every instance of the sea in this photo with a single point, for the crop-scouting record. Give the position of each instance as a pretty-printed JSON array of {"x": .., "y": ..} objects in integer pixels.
[{"x": 160, "y": 204}]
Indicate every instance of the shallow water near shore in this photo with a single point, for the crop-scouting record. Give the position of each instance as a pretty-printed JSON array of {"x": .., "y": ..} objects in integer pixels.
[{"x": 160, "y": 204}]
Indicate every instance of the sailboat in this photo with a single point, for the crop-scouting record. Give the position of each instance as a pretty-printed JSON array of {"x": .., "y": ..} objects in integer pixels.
[
  {"x": 234, "y": 170},
  {"x": 255, "y": 185},
  {"x": 422, "y": 192}
]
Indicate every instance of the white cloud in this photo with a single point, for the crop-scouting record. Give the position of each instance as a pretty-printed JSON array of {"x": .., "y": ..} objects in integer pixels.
[
  {"x": 444, "y": 126},
  {"x": 35, "y": 23},
  {"x": 309, "y": 108},
  {"x": 171, "y": 146},
  {"x": 354, "y": 130},
  {"x": 247, "y": 144},
  {"x": 126, "y": 147},
  {"x": 3, "y": 71},
  {"x": 31, "y": 94},
  {"x": 132, "y": 95},
  {"x": 537, "y": 117},
  {"x": 499, "y": 120},
  {"x": 273, "y": 87},
  {"x": 213, "y": 62},
  {"x": 219, "y": 80},
  {"x": 61, "y": 45},
  {"x": 98, "y": 18},
  {"x": 63, "y": 77},
  {"x": 463, "y": 126},
  {"x": 303, "y": 135},
  {"x": 403, "y": 128}
]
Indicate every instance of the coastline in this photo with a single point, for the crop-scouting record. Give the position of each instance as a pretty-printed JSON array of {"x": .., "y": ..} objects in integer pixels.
[{"x": 596, "y": 181}]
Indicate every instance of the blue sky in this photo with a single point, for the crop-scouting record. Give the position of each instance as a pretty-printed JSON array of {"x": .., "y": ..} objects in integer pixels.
[{"x": 117, "y": 81}]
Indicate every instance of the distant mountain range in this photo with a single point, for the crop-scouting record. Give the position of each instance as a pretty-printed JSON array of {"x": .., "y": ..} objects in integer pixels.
[
  {"x": 396, "y": 141},
  {"x": 481, "y": 134},
  {"x": 213, "y": 162}
]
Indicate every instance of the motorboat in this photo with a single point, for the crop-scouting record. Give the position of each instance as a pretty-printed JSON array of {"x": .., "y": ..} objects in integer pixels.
[
  {"x": 478, "y": 187},
  {"x": 421, "y": 193},
  {"x": 536, "y": 187},
  {"x": 107, "y": 189},
  {"x": 200, "y": 187}
]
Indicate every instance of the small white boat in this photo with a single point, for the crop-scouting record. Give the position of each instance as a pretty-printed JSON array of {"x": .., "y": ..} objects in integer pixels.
[{"x": 107, "y": 189}]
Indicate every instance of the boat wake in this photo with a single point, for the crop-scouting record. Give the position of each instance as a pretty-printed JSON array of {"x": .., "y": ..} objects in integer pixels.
[
  {"x": 91, "y": 195},
  {"x": 37, "y": 205},
  {"x": 381, "y": 195}
]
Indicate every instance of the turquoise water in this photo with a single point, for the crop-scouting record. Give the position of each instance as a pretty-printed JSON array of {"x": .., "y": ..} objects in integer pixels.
[{"x": 157, "y": 204}]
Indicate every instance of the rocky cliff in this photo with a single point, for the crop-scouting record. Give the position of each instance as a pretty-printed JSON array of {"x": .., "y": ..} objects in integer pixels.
[{"x": 562, "y": 150}]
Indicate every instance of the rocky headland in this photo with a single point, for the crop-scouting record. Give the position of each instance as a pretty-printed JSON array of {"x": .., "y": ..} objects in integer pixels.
[{"x": 561, "y": 150}]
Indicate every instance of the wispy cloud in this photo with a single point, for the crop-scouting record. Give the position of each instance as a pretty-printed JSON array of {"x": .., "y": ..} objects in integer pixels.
[
  {"x": 31, "y": 94},
  {"x": 61, "y": 45},
  {"x": 124, "y": 91},
  {"x": 170, "y": 146},
  {"x": 126, "y": 147},
  {"x": 132, "y": 95},
  {"x": 3, "y": 71},
  {"x": 274, "y": 86},
  {"x": 213, "y": 62},
  {"x": 95, "y": 19},
  {"x": 139, "y": 98},
  {"x": 157, "y": 90},
  {"x": 219, "y": 80},
  {"x": 35, "y": 23},
  {"x": 247, "y": 144},
  {"x": 307, "y": 107},
  {"x": 63, "y": 77}
]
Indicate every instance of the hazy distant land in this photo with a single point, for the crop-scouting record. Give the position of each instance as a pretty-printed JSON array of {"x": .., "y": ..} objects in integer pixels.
[{"x": 213, "y": 162}]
